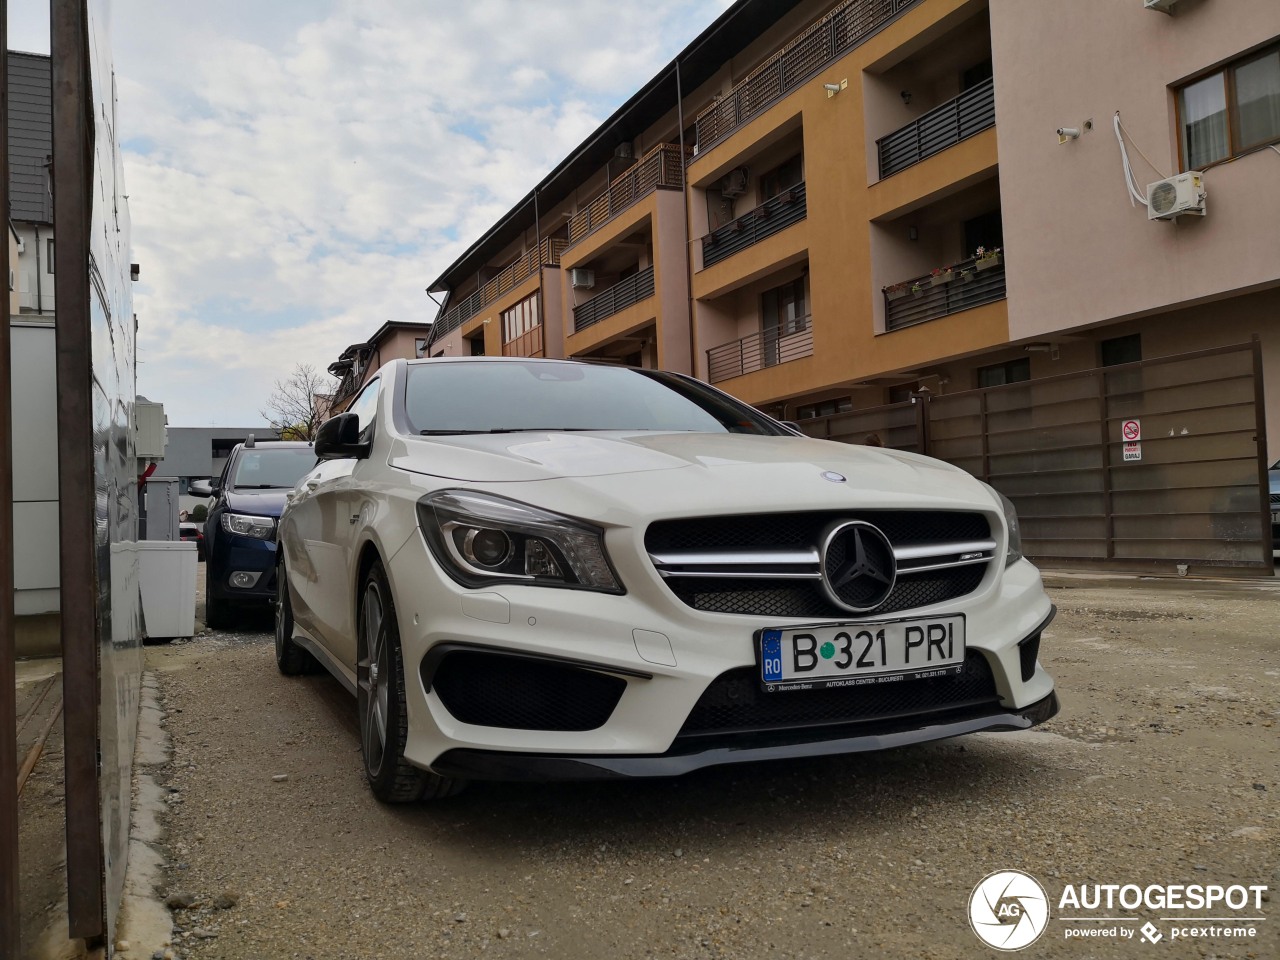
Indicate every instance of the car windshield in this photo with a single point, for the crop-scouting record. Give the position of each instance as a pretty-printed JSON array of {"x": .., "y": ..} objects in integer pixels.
[
  {"x": 263, "y": 468},
  {"x": 503, "y": 396}
]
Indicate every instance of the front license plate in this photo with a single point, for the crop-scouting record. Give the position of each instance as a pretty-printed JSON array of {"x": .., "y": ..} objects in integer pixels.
[{"x": 851, "y": 654}]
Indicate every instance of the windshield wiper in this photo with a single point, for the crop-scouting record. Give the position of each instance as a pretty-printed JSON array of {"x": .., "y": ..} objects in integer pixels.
[{"x": 262, "y": 486}]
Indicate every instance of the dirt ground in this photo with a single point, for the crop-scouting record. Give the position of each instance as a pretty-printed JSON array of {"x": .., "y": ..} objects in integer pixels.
[{"x": 1163, "y": 768}]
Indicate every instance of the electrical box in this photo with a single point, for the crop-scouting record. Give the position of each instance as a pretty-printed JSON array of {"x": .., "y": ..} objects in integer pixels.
[{"x": 151, "y": 434}]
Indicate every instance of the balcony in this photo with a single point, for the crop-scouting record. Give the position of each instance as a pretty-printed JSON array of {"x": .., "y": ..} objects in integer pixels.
[
  {"x": 973, "y": 283},
  {"x": 775, "y": 214},
  {"x": 614, "y": 300},
  {"x": 818, "y": 45},
  {"x": 759, "y": 350},
  {"x": 660, "y": 167},
  {"x": 943, "y": 126},
  {"x": 510, "y": 276}
]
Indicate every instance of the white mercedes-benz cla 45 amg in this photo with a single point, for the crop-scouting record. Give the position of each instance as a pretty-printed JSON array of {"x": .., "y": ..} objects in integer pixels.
[{"x": 544, "y": 569}]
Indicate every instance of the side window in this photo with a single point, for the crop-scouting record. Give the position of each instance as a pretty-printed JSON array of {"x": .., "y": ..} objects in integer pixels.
[{"x": 365, "y": 407}]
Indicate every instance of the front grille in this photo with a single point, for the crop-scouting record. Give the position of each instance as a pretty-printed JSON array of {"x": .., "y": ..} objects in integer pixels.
[
  {"x": 735, "y": 702},
  {"x": 518, "y": 693},
  {"x": 777, "y": 530},
  {"x": 766, "y": 597}
]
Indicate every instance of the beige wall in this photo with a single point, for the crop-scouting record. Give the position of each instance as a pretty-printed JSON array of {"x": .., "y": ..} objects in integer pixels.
[{"x": 1079, "y": 252}]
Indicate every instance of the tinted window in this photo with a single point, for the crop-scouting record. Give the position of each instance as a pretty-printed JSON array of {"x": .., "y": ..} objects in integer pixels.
[
  {"x": 503, "y": 395},
  {"x": 263, "y": 467}
]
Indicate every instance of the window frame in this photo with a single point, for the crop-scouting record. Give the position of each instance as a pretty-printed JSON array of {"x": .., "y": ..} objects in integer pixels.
[
  {"x": 1227, "y": 72},
  {"x": 526, "y": 308}
]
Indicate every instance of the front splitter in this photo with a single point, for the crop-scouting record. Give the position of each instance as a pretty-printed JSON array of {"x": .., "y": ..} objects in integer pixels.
[{"x": 688, "y": 756}]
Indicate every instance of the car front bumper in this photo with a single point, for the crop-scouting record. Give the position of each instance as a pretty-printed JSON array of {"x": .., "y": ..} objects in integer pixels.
[{"x": 668, "y": 655}]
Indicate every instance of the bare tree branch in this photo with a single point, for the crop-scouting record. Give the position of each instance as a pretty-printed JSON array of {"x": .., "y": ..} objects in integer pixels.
[{"x": 292, "y": 409}]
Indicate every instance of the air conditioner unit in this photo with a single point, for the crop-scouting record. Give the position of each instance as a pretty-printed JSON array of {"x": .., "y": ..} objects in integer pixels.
[
  {"x": 734, "y": 183},
  {"x": 1164, "y": 6},
  {"x": 1168, "y": 199},
  {"x": 581, "y": 278}
]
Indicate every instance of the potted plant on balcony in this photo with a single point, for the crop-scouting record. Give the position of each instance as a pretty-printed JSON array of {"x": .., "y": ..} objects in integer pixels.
[
  {"x": 941, "y": 275},
  {"x": 965, "y": 275},
  {"x": 896, "y": 291},
  {"x": 984, "y": 259},
  {"x": 917, "y": 290}
]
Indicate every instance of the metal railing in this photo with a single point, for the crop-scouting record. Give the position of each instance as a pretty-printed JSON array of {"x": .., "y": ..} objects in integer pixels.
[
  {"x": 973, "y": 283},
  {"x": 614, "y": 300},
  {"x": 817, "y": 45},
  {"x": 773, "y": 215},
  {"x": 759, "y": 350},
  {"x": 511, "y": 275},
  {"x": 660, "y": 167},
  {"x": 943, "y": 126}
]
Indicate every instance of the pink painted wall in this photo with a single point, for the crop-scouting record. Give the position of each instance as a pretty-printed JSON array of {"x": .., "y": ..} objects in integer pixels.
[{"x": 1078, "y": 252}]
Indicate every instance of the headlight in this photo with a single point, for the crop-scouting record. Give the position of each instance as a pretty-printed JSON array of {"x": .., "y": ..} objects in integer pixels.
[
  {"x": 481, "y": 539},
  {"x": 243, "y": 525},
  {"x": 1015, "y": 531}
]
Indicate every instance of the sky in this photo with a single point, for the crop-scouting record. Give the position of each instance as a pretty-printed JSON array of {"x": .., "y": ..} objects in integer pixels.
[{"x": 298, "y": 171}]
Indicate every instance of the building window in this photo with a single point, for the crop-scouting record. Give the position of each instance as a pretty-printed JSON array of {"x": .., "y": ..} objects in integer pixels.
[
  {"x": 789, "y": 173},
  {"x": 520, "y": 319},
  {"x": 782, "y": 309},
  {"x": 420, "y": 347},
  {"x": 998, "y": 374},
  {"x": 824, "y": 408},
  {"x": 1232, "y": 111},
  {"x": 1122, "y": 350},
  {"x": 48, "y": 249}
]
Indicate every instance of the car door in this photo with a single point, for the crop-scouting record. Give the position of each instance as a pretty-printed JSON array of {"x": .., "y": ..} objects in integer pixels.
[
  {"x": 335, "y": 502},
  {"x": 311, "y": 558}
]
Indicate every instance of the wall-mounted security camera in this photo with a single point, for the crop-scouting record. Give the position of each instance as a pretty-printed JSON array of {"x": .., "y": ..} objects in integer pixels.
[{"x": 1068, "y": 133}]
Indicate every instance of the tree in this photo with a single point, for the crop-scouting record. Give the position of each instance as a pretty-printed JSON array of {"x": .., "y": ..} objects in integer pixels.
[
  {"x": 292, "y": 410},
  {"x": 199, "y": 513}
]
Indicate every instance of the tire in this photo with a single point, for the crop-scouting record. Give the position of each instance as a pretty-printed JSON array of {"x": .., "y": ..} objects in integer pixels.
[
  {"x": 383, "y": 719},
  {"x": 292, "y": 660},
  {"x": 217, "y": 613}
]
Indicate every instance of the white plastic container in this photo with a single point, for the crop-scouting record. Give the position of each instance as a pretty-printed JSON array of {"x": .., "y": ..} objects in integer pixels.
[{"x": 167, "y": 572}]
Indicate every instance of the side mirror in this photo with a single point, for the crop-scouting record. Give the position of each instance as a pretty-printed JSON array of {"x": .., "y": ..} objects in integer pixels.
[
  {"x": 200, "y": 488},
  {"x": 339, "y": 438}
]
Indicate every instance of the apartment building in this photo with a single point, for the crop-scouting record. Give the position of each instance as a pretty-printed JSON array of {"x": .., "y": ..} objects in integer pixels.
[
  {"x": 827, "y": 208},
  {"x": 395, "y": 339}
]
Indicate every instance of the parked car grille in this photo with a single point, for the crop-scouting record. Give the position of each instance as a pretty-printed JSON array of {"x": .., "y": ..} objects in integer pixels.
[
  {"x": 959, "y": 545},
  {"x": 735, "y": 702},
  {"x": 496, "y": 690}
]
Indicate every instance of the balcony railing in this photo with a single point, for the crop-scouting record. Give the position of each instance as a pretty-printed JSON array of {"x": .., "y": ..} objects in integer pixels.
[
  {"x": 943, "y": 126},
  {"x": 759, "y": 350},
  {"x": 511, "y": 275},
  {"x": 773, "y": 215},
  {"x": 660, "y": 167},
  {"x": 821, "y": 42},
  {"x": 614, "y": 300},
  {"x": 973, "y": 283}
]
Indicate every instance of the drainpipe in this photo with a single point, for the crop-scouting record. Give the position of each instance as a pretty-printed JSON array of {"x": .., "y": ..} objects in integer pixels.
[
  {"x": 39, "y": 293},
  {"x": 542, "y": 296},
  {"x": 688, "y": 252}
]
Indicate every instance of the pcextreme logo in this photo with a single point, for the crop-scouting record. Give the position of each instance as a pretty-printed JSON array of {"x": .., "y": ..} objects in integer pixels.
[{"x": 1009, "y": 910}]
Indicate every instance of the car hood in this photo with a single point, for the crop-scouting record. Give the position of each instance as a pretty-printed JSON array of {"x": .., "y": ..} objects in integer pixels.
[
  {"x": 693, "y": 466},
  {"x": 261, "y": 503}
]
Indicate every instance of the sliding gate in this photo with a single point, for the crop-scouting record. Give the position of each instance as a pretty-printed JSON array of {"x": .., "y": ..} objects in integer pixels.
[{"x": 1157, "y": 465}]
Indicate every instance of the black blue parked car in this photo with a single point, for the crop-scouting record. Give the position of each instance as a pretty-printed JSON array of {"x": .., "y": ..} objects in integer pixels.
[{"x": 240, "y": 532}]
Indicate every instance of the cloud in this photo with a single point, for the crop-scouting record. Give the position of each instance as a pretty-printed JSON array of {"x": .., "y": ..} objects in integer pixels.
[{"x": 299, "y": 171}]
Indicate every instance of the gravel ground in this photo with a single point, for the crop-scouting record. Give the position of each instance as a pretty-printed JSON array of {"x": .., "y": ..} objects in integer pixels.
[{"x": 1162, "y": 768}]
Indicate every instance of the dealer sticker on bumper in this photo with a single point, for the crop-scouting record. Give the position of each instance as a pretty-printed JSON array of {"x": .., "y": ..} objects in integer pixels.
[{"x": 851, "y": 654}]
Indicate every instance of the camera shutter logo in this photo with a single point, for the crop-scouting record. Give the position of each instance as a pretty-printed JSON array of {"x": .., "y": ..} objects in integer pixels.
[{"x": 1009, "y": 910}]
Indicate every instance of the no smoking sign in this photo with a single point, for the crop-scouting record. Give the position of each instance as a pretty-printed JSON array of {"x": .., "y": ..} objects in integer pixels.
[{"x": 1131, "y": 431}]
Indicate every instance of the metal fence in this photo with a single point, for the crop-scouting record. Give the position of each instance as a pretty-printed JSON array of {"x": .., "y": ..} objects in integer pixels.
[
  {"x": 759, "y": 350},
  {"x": 775, "y": 214},
  {"x": 616, "y": 298},
  {"x": 1153, "y": 465},
  {"x": 663, "y": 166},
  {"x": 944, "y": 126},
  {"x": 839, "y": 31},
  {"x": 963, "y": 286}
]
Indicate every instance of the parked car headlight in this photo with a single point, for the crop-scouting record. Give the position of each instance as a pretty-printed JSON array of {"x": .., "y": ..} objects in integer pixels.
[
  {"x": 243, "y": 525},
  {"x": 481, "y": 539},
  {"x": 1015, "y": 531}
]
